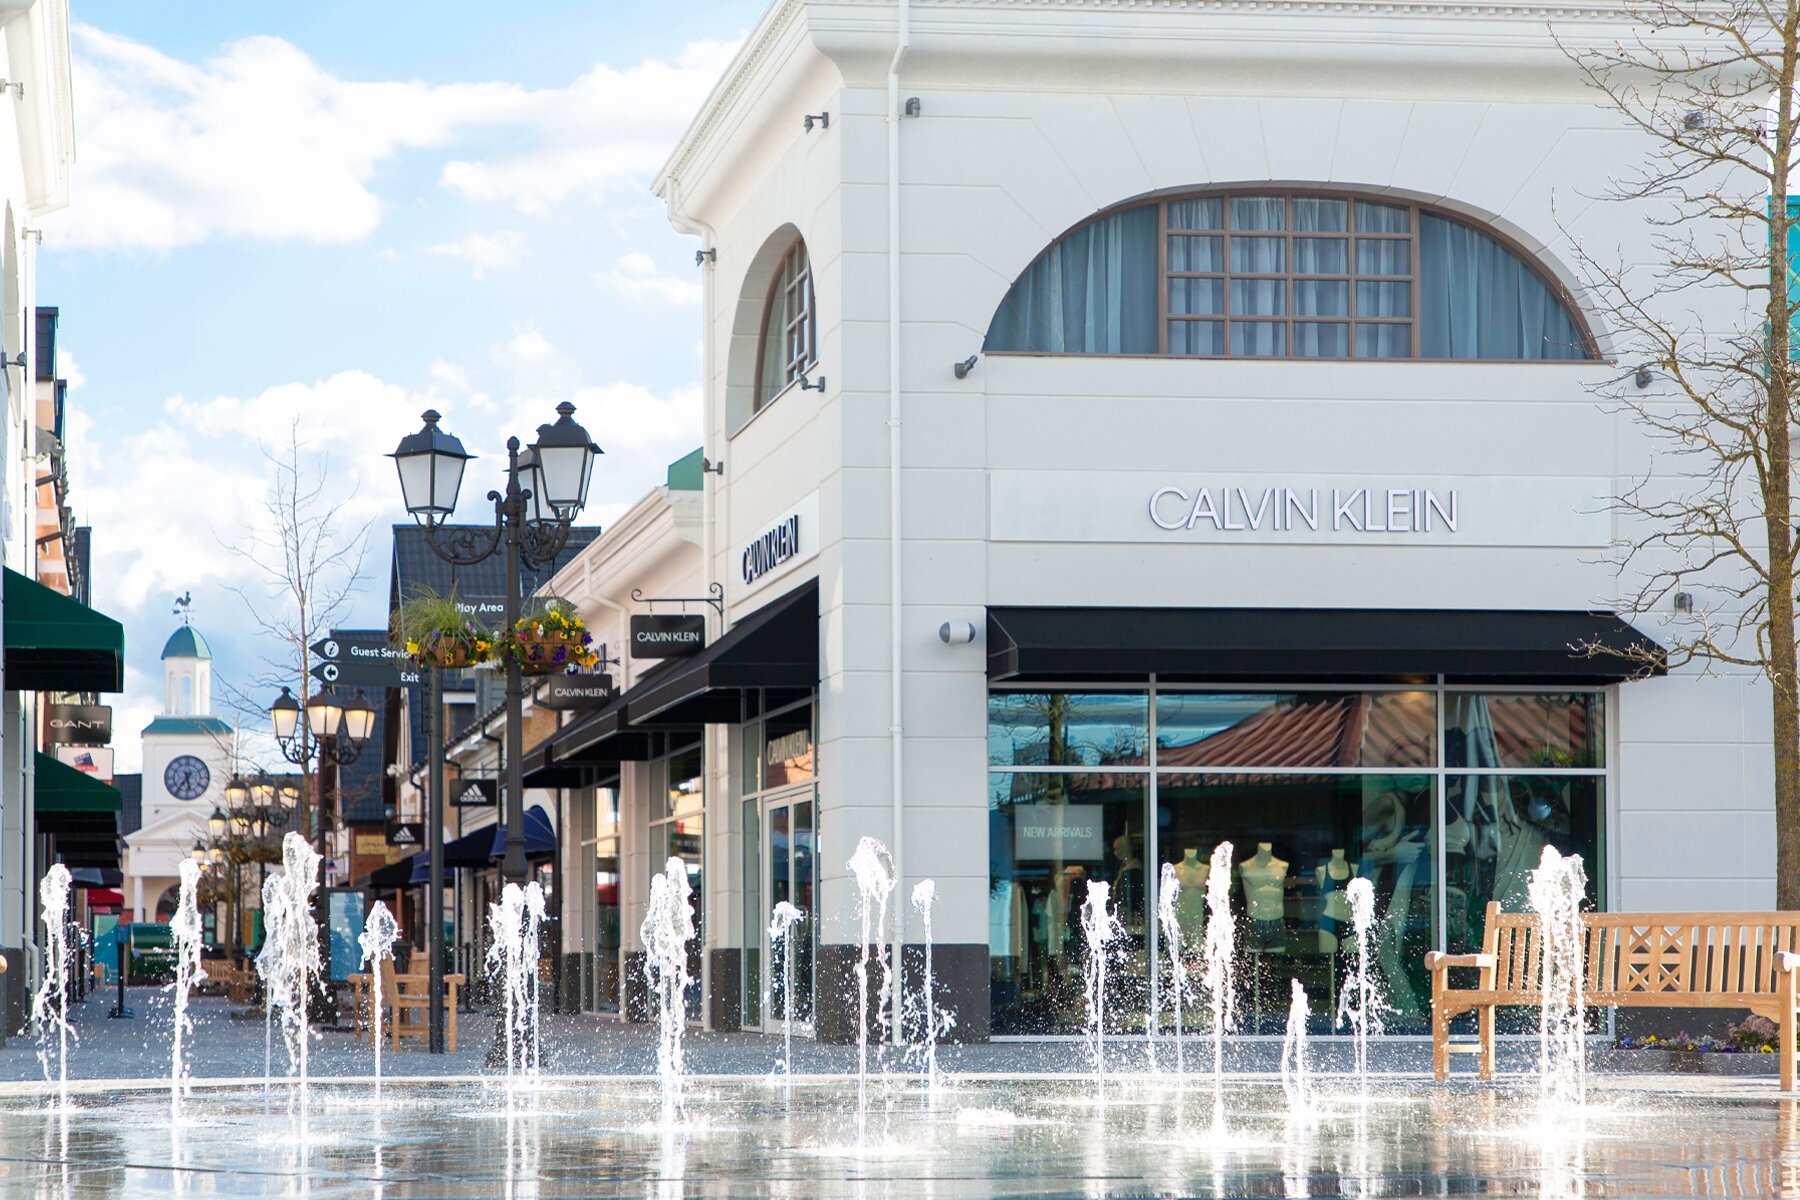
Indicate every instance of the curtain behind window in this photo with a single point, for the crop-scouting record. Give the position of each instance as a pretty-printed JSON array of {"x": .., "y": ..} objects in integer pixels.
[
  {"x": 1093, "y": 292},
  {"x": 1477, "y": 299}
]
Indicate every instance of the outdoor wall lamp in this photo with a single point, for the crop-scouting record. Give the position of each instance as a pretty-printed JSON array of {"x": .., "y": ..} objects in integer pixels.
[
  {"x": 807, "y": 385},
  {"x": 823, "y": 119},
  {"x": 913, "y": 107},
  {"x": 963, "y": 368},
  {"x": 1641, "y": 378},
  {"x": 1684, "y": 602},
  {"x": 956, "y": 633},
  {"x": 702, "y": 257}
]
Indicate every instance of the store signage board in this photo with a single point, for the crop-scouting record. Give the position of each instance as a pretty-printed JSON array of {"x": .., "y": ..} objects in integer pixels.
[
  {"x": 568, "y": 693},
  {"x": 475, "y": 793},
  {"x": 362, "y": 658},
  {"x": 405, "y": 834},
  {"x": 678, "y": 635},
  {"x": 77, "y": 725},
  {"x": 1221, "y": 509},
  {"x": 1064, "y": 832},
  {"x": 89, "y": 760},
  {"x": 775, "y": 547}
]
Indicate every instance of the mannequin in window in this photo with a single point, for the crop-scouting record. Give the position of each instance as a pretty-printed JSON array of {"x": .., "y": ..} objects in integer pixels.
[
  {"x": 1190, "y": 902},
  {"x": 1334, "y": 912},
  {"x": 1128, "y": 884},
  {"x": 1265, "y": 893}
]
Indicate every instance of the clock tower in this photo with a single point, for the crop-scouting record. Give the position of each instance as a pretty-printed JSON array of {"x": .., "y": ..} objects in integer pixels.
[{"x": 188, "y": 754}]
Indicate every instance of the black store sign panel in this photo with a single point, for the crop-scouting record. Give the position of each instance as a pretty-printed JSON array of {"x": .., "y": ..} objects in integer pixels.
[
  {"x": 78, "y": 725},
  {"x": 405, "y": 833},
  {"x": 572, "y": 692},
  {"x": 667, "y": 637},
  {"x": 475, "y": 793}
]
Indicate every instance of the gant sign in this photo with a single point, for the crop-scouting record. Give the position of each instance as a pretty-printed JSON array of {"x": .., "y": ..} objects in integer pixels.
[{"x": 77, "y": 725}]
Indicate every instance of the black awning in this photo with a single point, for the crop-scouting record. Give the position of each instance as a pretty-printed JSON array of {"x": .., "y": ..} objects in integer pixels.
[
  {"x": 774, "y": 649},
  {"x": 1369, "y": 645},
  {"x": 602, "y": 740},
  {"x": 538, "y": 770},
  {"x": 403, "y": 872}
]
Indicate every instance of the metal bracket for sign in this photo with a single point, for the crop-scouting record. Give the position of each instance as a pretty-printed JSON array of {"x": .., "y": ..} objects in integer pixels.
[{"x": 716, "y": 599}]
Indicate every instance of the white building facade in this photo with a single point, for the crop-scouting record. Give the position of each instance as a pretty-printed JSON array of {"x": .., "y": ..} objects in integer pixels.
[{"x": 1172, "y": 425}]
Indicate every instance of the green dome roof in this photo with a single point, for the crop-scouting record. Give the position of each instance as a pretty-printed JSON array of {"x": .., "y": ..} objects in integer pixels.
[{"x": 186, "y": 642}]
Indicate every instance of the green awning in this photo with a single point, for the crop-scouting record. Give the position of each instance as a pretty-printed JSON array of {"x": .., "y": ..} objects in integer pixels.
[
  {"x": 78, "y": 812},
  {"x": 55, "y": 644},
  {"x": 61, "y": 788}
]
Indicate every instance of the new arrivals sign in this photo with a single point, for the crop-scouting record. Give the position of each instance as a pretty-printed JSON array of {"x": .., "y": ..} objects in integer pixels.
[{"x": 1064, "y": 832}]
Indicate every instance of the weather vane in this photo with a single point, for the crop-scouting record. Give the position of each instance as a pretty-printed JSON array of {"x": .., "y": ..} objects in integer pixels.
[{"x": 184, "y": 607}]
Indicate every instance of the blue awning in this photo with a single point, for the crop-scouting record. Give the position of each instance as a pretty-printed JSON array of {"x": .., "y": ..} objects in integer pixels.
[{"x": 485, "y": 845}]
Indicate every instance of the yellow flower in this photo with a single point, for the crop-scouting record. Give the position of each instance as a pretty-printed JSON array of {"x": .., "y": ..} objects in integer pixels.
[{"x": 412, "y": 647}]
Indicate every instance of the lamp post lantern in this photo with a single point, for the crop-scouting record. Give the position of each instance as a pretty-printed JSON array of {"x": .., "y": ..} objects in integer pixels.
[
  {"x": 546, "y": 487},
  {"x": 324, "y": 729}
]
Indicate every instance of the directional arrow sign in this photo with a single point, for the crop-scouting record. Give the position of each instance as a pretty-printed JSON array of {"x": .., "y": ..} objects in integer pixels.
[
  {"x": 328, "y": 648},
  {"x": 362, "y": 658}
]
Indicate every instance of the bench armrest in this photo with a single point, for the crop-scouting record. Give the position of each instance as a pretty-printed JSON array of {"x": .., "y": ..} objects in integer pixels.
[
  {"x": 1439, "y": 962},
  {"x": 1785, "y": 961}
]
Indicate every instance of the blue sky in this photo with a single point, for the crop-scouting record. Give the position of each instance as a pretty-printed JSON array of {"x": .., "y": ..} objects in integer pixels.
[{"x": 329, "y": 216}]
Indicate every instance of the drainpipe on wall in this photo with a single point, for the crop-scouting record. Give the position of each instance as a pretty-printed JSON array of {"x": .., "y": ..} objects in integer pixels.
[
  {"x": 708, "y": 503},
  {"x": 902, "y": 40}
]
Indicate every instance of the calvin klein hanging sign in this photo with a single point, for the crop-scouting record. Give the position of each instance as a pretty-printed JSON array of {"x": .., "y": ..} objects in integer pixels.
[
  {"x": 1174, "y": 507},
  {"x": 672, "y": 636}
]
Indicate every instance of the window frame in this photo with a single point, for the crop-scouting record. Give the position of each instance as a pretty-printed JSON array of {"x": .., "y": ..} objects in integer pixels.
[
  {"x": 1350, "y": 235},
  {"x": 793, "y": 275}
]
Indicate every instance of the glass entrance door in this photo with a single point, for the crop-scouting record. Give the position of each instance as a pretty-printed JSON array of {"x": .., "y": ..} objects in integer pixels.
[{"x": 788, "y": 850}]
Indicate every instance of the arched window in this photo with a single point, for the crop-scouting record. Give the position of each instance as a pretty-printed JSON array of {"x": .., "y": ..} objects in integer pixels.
[
  {"x": 1273, "y": 274},
  {"x": 789, "y": 343}
]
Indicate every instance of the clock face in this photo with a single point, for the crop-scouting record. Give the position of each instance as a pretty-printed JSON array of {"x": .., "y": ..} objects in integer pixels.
[{"x": 187, "y": 778}]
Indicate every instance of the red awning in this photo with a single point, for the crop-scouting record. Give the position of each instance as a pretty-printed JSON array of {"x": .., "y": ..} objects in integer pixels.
[{"x": 105, "y": 897}]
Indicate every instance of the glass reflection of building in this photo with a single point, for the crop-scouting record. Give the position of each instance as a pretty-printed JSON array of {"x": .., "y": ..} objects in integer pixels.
[{"x": 1443, "y": 798}]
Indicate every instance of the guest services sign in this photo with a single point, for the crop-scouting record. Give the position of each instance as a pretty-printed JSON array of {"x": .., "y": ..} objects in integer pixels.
[{"x": 1137, "y": 506}]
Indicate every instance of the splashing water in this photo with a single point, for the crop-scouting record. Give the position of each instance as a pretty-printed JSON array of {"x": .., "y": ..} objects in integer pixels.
[
  {"x": 512, "y": 961},
  {"x": 50, "y": 1005},
  {"x": 1168, "y": 891},
  {"x": 1296, "y": 1073},
  {"x": 268, "y": 965},
  {"x": 782, "y": 920},
  {"x": 667, "y": 929},
  {"x": 188, "y": 933},
  {"x": 379, "y": 932},
  {"x": 1557, "y": 890},
  {"x": 934, "y": 1022},
  {"x": 296, "y": 964},
  {"x": 1359, "y": 1000},
  {"x": 1220, "y": 976},
  {"x": 873, "y": 869},
  {"x": 1099, "y": 929}
]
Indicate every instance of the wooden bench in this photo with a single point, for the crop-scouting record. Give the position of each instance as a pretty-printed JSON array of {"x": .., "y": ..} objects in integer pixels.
[
  {"x": 408, "y": 999},
  {"x": 1633, "y": 960}
]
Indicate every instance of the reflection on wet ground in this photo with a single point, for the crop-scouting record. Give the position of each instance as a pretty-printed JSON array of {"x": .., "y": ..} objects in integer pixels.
[{"x": 1015, "y": 1136}]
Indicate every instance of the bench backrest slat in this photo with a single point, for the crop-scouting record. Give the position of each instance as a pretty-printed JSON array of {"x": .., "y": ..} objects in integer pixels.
[{"x": 1627, "y": 953}]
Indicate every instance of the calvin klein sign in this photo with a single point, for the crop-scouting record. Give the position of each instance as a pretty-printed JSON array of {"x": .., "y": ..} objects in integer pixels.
[
  {"x": 667, "y": 637},
  {"x": 77, "y": 725},
  {"x": 569, "y": 692},
  {"x": 780, "y": 543},
  {"x": 776, "y": 547}
]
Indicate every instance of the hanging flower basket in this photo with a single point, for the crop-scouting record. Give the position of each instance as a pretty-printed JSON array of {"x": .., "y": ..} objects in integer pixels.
[
  {"x": 435, "y": 633},
  {"x": 550, "y": 639}
]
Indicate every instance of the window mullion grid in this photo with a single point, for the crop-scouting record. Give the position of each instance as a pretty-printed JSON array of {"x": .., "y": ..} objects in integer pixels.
[
  {"x": 1162, "y": 278},
  {"x": 1412, "y": 263},
  {"x": 1350, "y": 265},
  {"x": 1287, "y": 266}
]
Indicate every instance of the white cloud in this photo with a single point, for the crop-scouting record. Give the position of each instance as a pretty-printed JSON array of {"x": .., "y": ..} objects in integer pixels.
[
  {"x": 528, "y": 345},
  {"x": 608, "y": 129},
  {"x": 637, "y": 278},
  {"x": 484, "y": 252},
  {"x": 448, "y": 375},
  {"x": 260, "y": 141}
]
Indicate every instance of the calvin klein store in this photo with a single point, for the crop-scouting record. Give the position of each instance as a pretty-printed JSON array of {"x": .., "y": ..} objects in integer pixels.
[{"x": 1185, "y": 439}]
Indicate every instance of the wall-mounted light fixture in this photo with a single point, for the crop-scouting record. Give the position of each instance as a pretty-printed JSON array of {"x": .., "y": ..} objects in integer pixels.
[
  {"x": 709, "y": 467},
  {"x": 1641, "y": 378},
  {"x": 823, "y": 120},
  {"x": 808, "y": 385},
  {"x": 913, "y": 107},
  {"x": 16, "y": 361},
  {"x": 702, "y": 257},
  {"x": 963, "y": 368},
  {"x": 17, "y": 89},
  {"x": 956, "y": 633},
  {"x": 1684, "y": 602}
]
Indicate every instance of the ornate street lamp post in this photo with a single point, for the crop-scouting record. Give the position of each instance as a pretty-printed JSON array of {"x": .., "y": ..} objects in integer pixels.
[
  {"x": 546, "y": 486},
  {"x": 331, "y": 732}
]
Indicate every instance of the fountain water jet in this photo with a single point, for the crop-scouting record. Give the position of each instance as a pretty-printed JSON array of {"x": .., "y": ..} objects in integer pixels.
[
  {"x": 188, "y": 934},
  {"x": 379, "y": 932},
  {"x": 667, "y": 929},
  {"x": 512, "y": 961},
  {"x": 50, "y": 1006},
  {"x": 1296, "y": 1073},
  {"x": 934, "y": 1022},
  {"x": 873, "y": 869},
  {"x": 1100, "y": 928},
  {"x": 1220, "y": 976},
  {"x": 268, "y": 965},
  {"x": 1359, "y": 1000},
  {"x": 782, "y": 920},
  {"x": 1168, "y": 891},
  {"x": 1557, "y": 890},
  {"x": 296, "y": 963}
]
